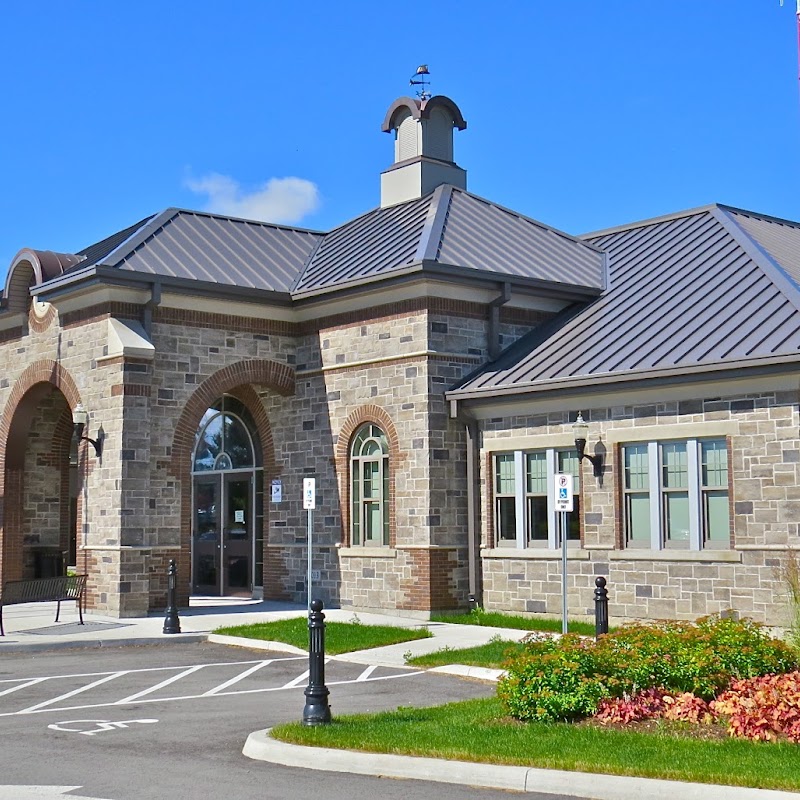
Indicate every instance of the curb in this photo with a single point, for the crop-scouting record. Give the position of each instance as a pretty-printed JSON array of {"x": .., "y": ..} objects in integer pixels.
[
  {"x": 255, "y": 644},
  {"x": 260, "y": 746},
  {"x": 89, "y": 644}
]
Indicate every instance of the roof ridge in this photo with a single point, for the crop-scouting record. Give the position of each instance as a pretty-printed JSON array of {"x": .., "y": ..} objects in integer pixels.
[
  {"x": 519, "y": 215},
  {"x": 759, "y": 215},
  {"x": 431, "y": 237},
  {"x": 785, "y": 284},
  {"x": 139, "y": 236},
  {"x": 215, "y": 215},
  {"x": 645, "y": 223}
]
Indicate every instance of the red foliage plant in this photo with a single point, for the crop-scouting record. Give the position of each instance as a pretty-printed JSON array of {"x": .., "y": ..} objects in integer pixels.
[{"x": 762, "y": 709}]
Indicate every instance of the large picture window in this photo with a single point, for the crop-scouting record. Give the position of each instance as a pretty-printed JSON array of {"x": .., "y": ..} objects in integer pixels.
[
  {"x": 524, "y": 507},
  {"x": 369, "y": 487},
  {"x": 676, "y": 494}
]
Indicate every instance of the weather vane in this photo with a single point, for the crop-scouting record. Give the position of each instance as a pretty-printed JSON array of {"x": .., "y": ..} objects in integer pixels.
[{"x": 418, "y": 79}]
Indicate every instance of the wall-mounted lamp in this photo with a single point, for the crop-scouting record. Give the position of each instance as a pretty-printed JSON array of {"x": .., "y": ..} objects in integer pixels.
[
  {"x": 80, "y": 418},
  {"x": 579, "y": 431}
]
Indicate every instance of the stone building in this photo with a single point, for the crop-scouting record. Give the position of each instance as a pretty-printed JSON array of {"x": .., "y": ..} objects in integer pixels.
[{"x": 424, "y": 363}]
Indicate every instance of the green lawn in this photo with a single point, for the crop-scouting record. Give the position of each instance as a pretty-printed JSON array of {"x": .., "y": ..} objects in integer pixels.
[
  {"x": 340, "y": 637},
  {"x": 492, "y": 655},
  {"x": 493, "y": 619},
  {"x": 477, "y": 730}
]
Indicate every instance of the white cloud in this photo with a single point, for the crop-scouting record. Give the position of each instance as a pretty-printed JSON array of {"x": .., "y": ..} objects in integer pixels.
[{"x": 281, "y": 200}]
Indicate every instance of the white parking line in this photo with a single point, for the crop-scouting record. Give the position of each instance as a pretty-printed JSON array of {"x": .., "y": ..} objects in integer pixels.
[
  {"x": 158, "y": 686},
  {"x": 296, "y": 682},
  {"x": 238, "y": 678},
  {"x": 86, "y": 688},
  {"x": 22, "y": 686},
  {"x": 366, "y": 673}
]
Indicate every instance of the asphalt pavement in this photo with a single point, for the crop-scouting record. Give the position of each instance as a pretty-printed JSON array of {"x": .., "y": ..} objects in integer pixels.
[{"x": 31, "y": 629}]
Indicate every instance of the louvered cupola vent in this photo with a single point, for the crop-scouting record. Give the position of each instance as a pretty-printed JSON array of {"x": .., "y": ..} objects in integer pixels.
[{"x": 423, "y": 148}]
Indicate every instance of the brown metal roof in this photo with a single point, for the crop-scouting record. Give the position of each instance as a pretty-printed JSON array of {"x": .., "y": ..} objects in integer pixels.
[
  {"x": 685, "y": 292},
  {"x": 453, "y": 229},
  {"x": 211, "y": 248}
]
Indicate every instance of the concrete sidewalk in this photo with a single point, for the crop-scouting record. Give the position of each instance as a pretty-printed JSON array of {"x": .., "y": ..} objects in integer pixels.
[{"x": 31, "y": 628}]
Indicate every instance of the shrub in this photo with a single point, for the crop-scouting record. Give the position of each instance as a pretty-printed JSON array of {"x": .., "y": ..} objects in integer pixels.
[
  {"x": 762, "y": 708},
  {"x": 553, "y": 680},
  {"x": 570, "y": 677}
]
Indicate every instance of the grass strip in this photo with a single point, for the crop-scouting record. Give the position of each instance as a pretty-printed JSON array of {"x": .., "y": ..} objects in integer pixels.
[
  {"x": 493, "y": 619},
  {"x": 493, "y": 655},
  {"x": 478, "y": 731},
  {"x": 340, "y": 637}
]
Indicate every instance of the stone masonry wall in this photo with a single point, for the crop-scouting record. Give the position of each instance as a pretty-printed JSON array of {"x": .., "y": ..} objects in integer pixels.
[{"x": 764, "y": 448}]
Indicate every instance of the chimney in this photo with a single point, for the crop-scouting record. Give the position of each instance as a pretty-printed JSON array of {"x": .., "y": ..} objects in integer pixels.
[{"x": 423, "y": 148}]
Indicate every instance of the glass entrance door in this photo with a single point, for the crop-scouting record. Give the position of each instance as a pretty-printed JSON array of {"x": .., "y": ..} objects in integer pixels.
[{"x": 222, "y": 537}]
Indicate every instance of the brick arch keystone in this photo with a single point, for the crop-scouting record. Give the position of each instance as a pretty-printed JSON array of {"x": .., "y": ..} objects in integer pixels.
[{"x": 378, "y": 416}]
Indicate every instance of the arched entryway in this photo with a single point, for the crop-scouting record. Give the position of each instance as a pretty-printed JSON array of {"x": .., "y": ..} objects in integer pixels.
[
  {"x": 227, "y": 501},
  {"x": 39, "y": 468}
]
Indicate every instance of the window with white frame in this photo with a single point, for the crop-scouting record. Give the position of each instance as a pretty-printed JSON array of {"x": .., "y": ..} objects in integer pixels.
[
  {"x": 524, "y": 507},
  {"x": 369, "y": 487},
  {"x": 676, "y": 494}
]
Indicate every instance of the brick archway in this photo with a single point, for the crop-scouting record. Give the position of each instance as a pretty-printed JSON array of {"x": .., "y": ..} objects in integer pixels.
[
  {"x": 30, "y": 389},
  {"x": 236, "y": 380},
  {"x": 378, "y": 416}
]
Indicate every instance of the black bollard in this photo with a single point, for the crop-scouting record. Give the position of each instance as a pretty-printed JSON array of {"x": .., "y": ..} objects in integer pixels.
[
  {"x": 171, "y": 622},
  {"x": 600, "y": 607},
  {"x": 316, "y": 710}
]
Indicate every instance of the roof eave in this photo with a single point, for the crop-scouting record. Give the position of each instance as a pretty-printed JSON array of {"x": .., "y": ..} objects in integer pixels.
[
  {"x": 623, "y": 380},
  {"x": 108, "y": 276}
]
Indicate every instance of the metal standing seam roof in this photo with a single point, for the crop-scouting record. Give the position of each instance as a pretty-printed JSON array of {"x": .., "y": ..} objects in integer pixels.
[
  {"x": 453, "y": 228},
  {"x": 685, "y": 291},
  {"x": 208, "y": 247}
]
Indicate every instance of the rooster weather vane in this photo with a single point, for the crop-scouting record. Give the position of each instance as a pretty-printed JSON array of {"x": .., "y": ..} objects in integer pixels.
[{"x": 418, "y": 79}]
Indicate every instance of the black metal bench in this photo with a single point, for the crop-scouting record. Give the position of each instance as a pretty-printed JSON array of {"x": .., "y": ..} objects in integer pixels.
[{"x": 44, "y": 590}]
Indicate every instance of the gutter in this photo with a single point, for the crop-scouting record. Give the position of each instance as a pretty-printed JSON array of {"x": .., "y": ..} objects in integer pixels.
[
  {"x": 152, "y": 303},
  {"x": 493, "y": 334}
]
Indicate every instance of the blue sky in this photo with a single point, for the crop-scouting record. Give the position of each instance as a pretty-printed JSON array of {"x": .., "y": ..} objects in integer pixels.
[{"x": 581, "y": 114}]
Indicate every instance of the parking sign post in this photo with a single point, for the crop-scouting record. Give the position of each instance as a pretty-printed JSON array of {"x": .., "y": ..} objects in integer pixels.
[
  {"x": 309, "y": 503},
  {"x": 564, "y": 504}
]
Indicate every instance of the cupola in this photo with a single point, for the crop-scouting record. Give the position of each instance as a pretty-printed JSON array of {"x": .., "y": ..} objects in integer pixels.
[{"x": 423, "y": 147}]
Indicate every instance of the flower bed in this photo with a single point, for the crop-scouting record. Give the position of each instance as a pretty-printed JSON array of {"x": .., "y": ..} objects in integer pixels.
[{"x": 715, "y": 669}]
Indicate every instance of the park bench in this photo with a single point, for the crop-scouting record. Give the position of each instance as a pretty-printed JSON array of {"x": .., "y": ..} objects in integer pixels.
[{"x": 44, "y": 590}]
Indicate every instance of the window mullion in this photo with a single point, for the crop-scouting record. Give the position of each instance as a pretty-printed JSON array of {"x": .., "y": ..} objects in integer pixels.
[
  {"x": 693, "y": 480},
  {"x": 519, "y": 496},
  {"x": 654, "y": 468},
  {"x": 552, "y": 516}
]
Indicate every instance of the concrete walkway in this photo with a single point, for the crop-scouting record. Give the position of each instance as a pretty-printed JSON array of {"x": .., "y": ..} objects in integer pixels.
[{"x": 31, "y": 628}]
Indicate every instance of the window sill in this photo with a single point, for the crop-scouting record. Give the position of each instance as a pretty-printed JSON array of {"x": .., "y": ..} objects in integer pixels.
[
  {"x": 675, "y": 555},
  {"x": 535, "y": 553},
  {"x": 367, "y": 552}
]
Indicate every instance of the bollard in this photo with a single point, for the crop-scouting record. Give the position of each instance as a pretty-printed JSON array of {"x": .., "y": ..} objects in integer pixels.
[
  {"x": 316, "y": 710},
  {"x": 600, "y": 607},
  {"x": 171, "y": 622}
]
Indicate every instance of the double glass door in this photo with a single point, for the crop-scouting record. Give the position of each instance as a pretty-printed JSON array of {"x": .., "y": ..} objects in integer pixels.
[{"x": 222, "y": 534}]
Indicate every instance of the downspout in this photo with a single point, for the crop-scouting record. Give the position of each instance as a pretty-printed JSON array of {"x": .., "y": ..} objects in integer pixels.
[
  {"x": 153, "y": 302},
  {"x": 473, "y": 512},
  {"x": 494, "y": 320}
]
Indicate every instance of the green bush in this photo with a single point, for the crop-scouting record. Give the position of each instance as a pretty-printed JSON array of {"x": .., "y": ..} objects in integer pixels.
[
  {"x": 568, "y": 678},
  {"x": 556, "y": 679}
]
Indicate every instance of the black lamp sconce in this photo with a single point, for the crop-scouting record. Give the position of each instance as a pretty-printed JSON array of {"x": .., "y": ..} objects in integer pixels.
[
  {"x": 579, "y": 431},
  {"x": 80, "y": 418}
]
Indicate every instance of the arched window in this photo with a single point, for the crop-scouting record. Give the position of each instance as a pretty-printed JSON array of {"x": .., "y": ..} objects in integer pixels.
[
  {"x": 226, "y": 438},
  {"x": 369, "y": 487}
]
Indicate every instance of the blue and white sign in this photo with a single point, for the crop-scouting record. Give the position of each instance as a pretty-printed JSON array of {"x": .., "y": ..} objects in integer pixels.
[
  {"x": 277, "y": 490},
  {"x": 563, "y": 492},
  {"x": 309, "y": 493}
]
